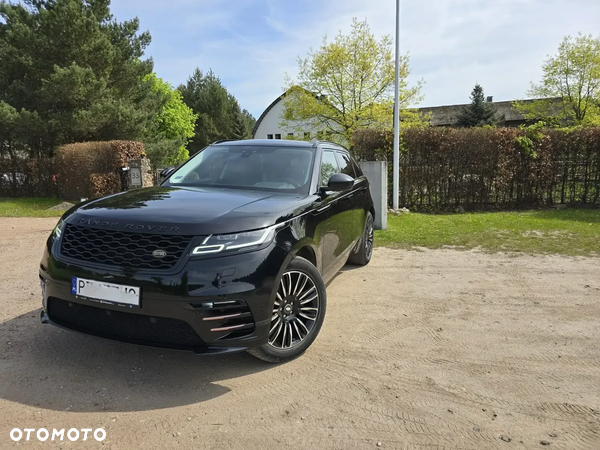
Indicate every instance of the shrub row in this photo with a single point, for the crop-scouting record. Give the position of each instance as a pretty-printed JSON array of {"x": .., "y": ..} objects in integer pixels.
[
  {"x": 486, "y": 168},
  {"x": 93, "y": 169},
  {"x": 28, "y": 178},
  {"x": 90, "y": 169}
]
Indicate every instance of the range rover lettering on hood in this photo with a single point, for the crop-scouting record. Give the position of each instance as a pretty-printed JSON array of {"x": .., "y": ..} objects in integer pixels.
[{"x": 129, "y": 226}]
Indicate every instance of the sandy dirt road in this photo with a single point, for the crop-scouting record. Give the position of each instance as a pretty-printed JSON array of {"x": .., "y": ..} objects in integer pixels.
[{"x": 420, "y": 350}]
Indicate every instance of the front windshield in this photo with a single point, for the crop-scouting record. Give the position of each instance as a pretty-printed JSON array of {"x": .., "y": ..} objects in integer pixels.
[{"x": 279, "y": 169}]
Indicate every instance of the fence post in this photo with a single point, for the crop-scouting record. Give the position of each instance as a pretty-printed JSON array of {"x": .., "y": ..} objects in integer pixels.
[
  {"x": 139, "y": 173},
  {"x": 377, "y": 174}
]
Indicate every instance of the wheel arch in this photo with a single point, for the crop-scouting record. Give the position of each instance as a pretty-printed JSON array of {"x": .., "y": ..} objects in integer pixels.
[
  {"x": 307, "y": 253},
  {"x": 372, "y": 211}
]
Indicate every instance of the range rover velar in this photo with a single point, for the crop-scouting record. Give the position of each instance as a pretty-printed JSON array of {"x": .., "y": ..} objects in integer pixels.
[{"x": 231, "y": 252}]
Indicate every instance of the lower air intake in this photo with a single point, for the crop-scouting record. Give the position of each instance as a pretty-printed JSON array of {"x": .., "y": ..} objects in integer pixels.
[{"x": 123, "y": 326}]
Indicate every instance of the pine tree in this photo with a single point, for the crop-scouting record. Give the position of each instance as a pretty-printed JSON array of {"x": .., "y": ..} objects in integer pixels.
[
  {"x": 240, "y": 127},
  {"x": 216, "y": 109},
  {"x": 70, "y": 72},
  {"x": 479, "y": 113}
]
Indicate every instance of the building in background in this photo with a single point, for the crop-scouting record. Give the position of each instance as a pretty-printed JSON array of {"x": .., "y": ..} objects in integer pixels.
[
  {"x": 268, "y": 125},
  {"x": 446, "y": 116}
]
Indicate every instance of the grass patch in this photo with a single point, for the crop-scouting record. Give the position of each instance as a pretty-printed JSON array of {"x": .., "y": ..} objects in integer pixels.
[
  {"x": 566, "y": 232},
  {"x": 28, "y": 207}
]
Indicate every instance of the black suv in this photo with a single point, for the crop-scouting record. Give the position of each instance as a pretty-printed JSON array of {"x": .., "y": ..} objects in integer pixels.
[{"x": 230, "y": 253}]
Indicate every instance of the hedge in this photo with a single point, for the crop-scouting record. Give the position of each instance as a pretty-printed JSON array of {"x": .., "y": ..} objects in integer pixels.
[
  {"x": 488, "y": 168},
  {"x": 28, "y": 178},
  {"x": 93, "y": 169}
]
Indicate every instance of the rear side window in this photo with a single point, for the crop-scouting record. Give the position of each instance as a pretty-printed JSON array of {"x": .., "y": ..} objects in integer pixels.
[
  {"x": 329, "y": 166},
  {"x": 346, "y": 165}
]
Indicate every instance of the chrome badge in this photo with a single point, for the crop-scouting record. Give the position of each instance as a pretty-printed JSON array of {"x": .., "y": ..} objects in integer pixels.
[{"x": 159, "y": 253}]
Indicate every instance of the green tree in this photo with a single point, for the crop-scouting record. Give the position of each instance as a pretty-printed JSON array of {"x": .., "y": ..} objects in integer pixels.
[
  {"x": 209, "y": 99},
  {"x": 216, "y": 108},
  {"x": 173, "y": 128},
  {"x": 250, "y": 121},
  {"x": 75, "y": 73},
  {"x": 479, "y": 113},
  {"x": 347, "y": 84},
  {"x": 240, "y": 126},
  {"x": 569, "y": 92}
]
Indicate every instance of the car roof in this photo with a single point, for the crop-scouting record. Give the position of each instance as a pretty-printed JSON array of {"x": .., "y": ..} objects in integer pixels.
[{"x": 277, "y": 143}]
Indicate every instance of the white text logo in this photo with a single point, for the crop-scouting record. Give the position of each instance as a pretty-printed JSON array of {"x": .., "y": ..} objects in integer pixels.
[{"x": 42, "y": 434}]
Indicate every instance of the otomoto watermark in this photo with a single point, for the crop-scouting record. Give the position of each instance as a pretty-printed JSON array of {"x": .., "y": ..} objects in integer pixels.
[{"x": 43, "y": 434}]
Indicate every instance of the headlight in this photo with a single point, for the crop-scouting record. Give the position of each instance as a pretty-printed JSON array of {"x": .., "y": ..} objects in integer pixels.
[
  {"x": 58, "y": 229},
  {"x": 245, "y": 241}
]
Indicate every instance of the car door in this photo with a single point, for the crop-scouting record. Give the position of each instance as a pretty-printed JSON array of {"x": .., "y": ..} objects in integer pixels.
[
  {"x": 357, "y": 199},
  {"x": 327, "y": 214}
]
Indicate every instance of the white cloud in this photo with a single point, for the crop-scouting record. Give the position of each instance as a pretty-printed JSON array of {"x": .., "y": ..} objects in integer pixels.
[{"x": 453, "y": 44}]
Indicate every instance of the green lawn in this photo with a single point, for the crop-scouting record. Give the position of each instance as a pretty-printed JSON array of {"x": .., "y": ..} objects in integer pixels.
[
  {"x": 28, "y": 207},
  {"x": 567, "y": 232}
]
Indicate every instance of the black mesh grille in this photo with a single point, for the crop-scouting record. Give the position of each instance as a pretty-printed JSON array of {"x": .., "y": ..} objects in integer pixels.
[
  {"x": 124, "y": 326},
  {"x": 122, "y": 248}
]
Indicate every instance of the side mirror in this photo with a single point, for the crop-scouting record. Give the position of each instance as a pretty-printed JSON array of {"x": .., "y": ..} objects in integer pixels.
[
  {"x": 340, "y": 182},
  {"x": 166, "y": 172}
]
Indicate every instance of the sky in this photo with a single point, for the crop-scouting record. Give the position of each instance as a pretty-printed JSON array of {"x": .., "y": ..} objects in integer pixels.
[{"x": 452, "y": 44}]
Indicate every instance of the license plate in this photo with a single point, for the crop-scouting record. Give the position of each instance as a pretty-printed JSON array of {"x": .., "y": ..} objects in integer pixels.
[{"x": 106, "y": 292}]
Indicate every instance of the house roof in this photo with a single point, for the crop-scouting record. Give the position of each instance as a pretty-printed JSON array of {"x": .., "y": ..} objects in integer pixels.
[
  {"x": 447, "y": 115},
  {"x": 266, "y": 111}
]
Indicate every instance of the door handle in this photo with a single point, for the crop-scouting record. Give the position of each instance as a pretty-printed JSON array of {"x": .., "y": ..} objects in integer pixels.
[{"x": 323, "y": 208}]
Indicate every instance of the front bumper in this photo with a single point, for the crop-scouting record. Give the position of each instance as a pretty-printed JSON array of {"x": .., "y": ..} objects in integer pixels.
[{"x": 211, "y": 306}]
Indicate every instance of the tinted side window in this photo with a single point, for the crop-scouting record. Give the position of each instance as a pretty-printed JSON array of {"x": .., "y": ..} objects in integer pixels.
[
  {"x": 346, "y": 165},
  {"x": 329, "y": 166},
  {"x": 357, "y": 169}
]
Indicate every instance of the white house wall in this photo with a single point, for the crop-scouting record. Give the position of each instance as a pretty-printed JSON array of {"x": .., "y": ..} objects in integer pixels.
[{"x": 270, "y": 125}]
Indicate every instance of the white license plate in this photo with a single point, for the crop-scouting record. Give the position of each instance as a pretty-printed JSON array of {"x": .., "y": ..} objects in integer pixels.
[{"x": 106, "y": 292}]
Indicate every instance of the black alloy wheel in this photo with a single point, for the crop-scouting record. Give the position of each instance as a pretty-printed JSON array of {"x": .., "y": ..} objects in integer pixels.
[
  {"x": 297, "y": 314},
  {"x": 364, "y": 250}
]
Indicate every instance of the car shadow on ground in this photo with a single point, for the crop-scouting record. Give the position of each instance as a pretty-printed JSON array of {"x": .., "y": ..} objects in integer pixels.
[
  {"x": 346, "y": 268},
  {"x": 350, "y": 267},
  {"x": 47, "y": 367}
]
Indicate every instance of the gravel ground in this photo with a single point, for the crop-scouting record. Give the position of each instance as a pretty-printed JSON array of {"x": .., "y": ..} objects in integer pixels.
[{"x": 420, "y": 350}]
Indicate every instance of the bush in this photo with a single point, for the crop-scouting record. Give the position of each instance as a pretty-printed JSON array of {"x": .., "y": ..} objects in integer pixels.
[
  {"x": 93, "y": 169},
  {"x": 28, "y": 178},
  {"x": 104, "y": 184},
  {"x": 483, "y": 168}
]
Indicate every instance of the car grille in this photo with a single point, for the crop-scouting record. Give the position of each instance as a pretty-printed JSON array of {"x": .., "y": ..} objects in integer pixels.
[
  {"x": 122, "y": 248},
  {"x": 124, "y": 326}
]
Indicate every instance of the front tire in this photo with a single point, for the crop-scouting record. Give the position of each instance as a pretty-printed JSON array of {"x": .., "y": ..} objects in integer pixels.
[
  {"x": 362, "y": 255},
  {"x": 298, "y": 313}
]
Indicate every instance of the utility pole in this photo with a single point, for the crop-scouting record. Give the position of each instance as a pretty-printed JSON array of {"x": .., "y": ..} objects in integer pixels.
[{"x": 396, "y": 167}]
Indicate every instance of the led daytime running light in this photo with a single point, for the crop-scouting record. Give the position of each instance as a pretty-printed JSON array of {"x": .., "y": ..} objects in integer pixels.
[{"x": 208, "y": 247}]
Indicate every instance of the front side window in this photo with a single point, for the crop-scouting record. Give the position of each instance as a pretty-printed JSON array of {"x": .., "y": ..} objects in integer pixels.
[
  {"x": 357, "y": 168},
  {"x": 283, "y": 169},
  {"x": 329, "y": 166},
  {"x": 346, "y": 165}
]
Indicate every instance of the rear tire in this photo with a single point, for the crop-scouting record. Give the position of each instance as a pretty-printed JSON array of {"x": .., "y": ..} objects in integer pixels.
[
  {"x": 298, "y": 313},
  {"x": 362, "y": 255}
]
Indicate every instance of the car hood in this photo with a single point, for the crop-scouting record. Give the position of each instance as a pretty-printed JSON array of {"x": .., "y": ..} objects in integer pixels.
[{"x": 188, "y": 211}]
